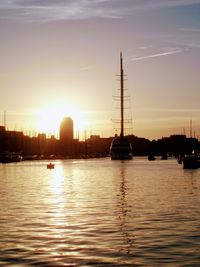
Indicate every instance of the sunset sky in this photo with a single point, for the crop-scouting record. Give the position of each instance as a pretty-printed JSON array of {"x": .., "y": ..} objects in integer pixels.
[{"x": 61, "y": 57}]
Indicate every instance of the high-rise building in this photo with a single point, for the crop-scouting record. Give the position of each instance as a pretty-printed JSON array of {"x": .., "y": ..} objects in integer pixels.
[{"x": 67, "y": 131}]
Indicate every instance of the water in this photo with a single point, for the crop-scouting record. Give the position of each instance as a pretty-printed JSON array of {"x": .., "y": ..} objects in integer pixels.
[{"x": 99, "y": 213}]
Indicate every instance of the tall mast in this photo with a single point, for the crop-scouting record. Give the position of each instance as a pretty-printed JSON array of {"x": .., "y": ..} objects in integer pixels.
[
  {"x": 122, "y": 95},
  {"x": 190, "y": 128},
  {"x": 5, "y": 119}
]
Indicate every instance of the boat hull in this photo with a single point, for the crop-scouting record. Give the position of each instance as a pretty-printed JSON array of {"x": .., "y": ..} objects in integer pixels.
[
  {"x": 9, "y": 157},
  {"x": 120, "y": 156},
  {"x": 191, "y": 162},
  {"x": 121, "y": 149}
]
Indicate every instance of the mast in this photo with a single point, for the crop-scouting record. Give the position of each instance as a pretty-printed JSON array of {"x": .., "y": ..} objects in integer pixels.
[
  {"x": 5, "y": 119},
  {"x": 122, "y": 94},
  {"x": 190, "y": 128}
]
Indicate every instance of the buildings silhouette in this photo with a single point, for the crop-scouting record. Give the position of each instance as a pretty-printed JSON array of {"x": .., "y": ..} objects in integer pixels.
[{"x": 66, "y": 146}]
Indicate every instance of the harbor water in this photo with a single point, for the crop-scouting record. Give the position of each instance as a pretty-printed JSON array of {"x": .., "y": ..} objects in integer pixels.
[{"x": 99, "y": 212}]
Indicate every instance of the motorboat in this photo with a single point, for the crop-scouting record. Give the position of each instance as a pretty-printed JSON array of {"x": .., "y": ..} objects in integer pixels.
[
  {"x": 151, "y": 157},
  {"x": 9, "y": 157},
  {"x": 191, "y": 161},
  {"x": 164, "y": 156}
]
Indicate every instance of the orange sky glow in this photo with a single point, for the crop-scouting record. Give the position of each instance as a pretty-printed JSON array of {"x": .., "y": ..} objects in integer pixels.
[{"x": 61, "y": 58}]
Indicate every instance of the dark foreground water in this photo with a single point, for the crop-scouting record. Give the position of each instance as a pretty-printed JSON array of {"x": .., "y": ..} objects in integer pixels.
[{"x": 99, "y": 213}]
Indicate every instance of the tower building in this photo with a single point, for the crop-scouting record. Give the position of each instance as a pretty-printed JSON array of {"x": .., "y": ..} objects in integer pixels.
[{"x": 67, "y": 131}]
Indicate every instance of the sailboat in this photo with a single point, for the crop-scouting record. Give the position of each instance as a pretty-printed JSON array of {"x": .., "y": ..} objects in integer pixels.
[{"x": 121, "y": 148}]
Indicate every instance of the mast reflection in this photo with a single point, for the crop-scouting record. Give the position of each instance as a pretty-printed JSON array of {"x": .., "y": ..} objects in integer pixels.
[{"x": 127, "y": 233}]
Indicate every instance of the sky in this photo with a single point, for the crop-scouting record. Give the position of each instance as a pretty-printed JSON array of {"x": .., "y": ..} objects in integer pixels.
[{"x": 61, "y": 57}]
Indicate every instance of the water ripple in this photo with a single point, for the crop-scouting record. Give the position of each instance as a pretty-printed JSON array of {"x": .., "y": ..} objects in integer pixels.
[{"x": 125, "y": 214}]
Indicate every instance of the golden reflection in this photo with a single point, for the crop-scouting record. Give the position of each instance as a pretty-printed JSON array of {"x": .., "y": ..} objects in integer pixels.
[
  {"x": 57, "y": 194},
  {"x": 56, "y": 199},
  {"x": 57, "y": 179}
]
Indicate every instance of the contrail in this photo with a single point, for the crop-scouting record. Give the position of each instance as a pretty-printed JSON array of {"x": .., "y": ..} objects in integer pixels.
[{"x": 156, "y": 55}]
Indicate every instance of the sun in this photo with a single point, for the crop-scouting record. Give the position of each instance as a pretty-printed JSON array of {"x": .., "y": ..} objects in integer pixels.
[{"x": 49, "y": 118}]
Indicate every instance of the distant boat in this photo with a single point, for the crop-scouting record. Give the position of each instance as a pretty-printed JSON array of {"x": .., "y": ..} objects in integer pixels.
[
  {"x": 180, "y": 159},
  {"x": 50, "y": 166},
  {"x": 191, "y": 162},
  {"x": 164, "y": 156},
  {"x": 9, "y": 157},
  {"x": 121, "y": 148},
  {"x": 151, "y": 157}
]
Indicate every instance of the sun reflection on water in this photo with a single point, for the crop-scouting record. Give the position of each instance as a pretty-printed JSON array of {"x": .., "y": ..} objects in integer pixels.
[
  {"x": 57, "y": 199},
  {"x": 57, "y": 179}
]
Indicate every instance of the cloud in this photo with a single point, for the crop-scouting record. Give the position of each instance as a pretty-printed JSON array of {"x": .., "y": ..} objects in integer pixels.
[
  {"x": 166, "y": 3},
  {"x": 190, "y": 30},
  {"x": 170, "y": 111},
  {"x": 186, "y": 44},
  {"x": 192, "y": 45},
  {"x": 85, "y": 68},
  {"x": 52, "y": 10},
  {"x": 145, "y": 47},
  {"x": 179, "y": 50}
]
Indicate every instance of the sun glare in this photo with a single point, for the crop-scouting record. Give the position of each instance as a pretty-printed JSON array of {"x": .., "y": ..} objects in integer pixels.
[{"x": 49, "y": 118}]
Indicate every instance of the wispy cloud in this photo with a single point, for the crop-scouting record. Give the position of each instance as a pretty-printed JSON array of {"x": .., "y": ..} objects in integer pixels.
[
  {"x": 166, "y": 3},
  {"x": 145, "y": 47},
  {"x": 50, "y": 10},
  {"x": 192, "y": 45},
  {"x": 185, "y": 44},
  {"x": 190, "y": 30},
  {"x": 170, "y": 111},
  {"x": 180, "y": 50},
  {"x": 85, "y": 68}
]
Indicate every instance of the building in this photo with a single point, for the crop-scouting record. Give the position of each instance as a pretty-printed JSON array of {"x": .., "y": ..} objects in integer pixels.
[
  {"x": 2, "y": 138},
  {"x": 67, "y": 131}
]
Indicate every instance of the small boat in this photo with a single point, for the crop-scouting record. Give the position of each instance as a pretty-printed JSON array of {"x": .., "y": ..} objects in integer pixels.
[
  {"x": 191, "y": 162},
  {"x": 151, "y": 157},
  {"x": 121, "y": 147},
  {"x": 50, "y": 166},
  {"x": 164, "y": 156},
  {"x": 9, "y": 157},
  {"x": 180, "y": 159}
]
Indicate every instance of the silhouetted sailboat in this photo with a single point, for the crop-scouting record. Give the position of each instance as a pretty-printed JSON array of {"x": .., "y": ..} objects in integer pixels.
[{"x": 121, "y": 146}]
